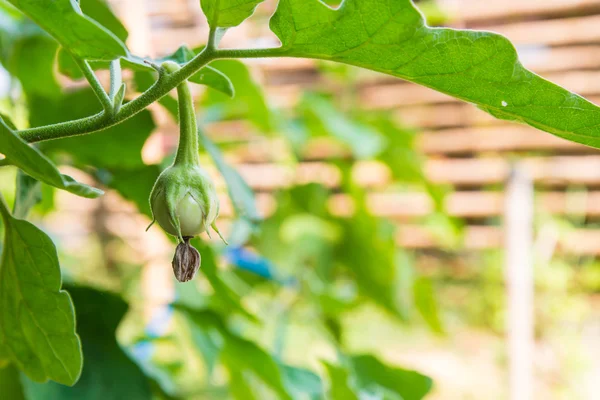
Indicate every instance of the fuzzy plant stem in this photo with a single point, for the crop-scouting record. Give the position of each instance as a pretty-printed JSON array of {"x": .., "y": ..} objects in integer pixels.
[{"x": 187, "y": 151}]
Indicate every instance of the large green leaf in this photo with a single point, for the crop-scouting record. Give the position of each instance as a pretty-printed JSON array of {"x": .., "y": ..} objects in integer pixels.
[
  {"x": 75, "y": 31},
  {"x": 35, "y": 164},
  {"x": 228, "y": 13},
  {"x": 37, "y": 321},
  {"x": 108, "y": 372},
  {"x": 10, "y": 386},
  {"x": 32, "y": 62},
  {"x": 390, "y": 36},
  {"x": 99, "y": 11}
]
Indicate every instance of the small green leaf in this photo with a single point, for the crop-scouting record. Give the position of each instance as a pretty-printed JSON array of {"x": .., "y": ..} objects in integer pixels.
[
  {"x": 75, "y": 31},
  {"x": 241, "y": 355},
  {"x": 119, "y": 97},
  {"x": 370, "y": 371},
  {"x": 228, "y": 13},
  {"x": 390, "y": 36},
  {"x": 208, "y": 75},
  {"x": 368, "y": 250},
  {"x": 249, "y": 102},
  {"x": 302, "y": 383},
  {"x": 240, "y": 193},
  {"x": 29, "y": 193},
  {"x": 37, "y": 321},
  {"x": 215, "y": 79},
  {"x": 321, "y": 117},
  {"x": 35, "y": 164},
  {"x": 426, "y": 304},
  {"x": 108, "y": 372},
  {"x": 225, "y": 299},
  {"x": 339, "y": 383}
]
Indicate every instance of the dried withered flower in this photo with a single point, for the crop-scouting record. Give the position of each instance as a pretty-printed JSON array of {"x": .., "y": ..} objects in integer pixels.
[{"x": 186, "y": 261}]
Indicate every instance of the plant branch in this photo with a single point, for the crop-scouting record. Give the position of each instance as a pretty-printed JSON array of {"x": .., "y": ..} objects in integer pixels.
[
  {"x": 212, "y": 40},
  {"x": 252, "y": 53},
  {"x": 164, "y": 84},
  {"x": 115, "y": 79},
  {"x": 88, "y": 72}
]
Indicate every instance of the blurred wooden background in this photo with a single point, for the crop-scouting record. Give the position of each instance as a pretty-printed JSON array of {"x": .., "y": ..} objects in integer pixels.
[{"x": 464, "y": 147}]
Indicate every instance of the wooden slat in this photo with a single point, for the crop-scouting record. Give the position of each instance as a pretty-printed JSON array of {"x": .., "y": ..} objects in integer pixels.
[
  {"x": 477, "y": 12},
  {"x": 513, "y": 137},
  {"x": 579, "y": 241},
  {"x": 401, "y": 93},
  {"x": 556, "y": 32},
  {"x": 555, "y": 171}
]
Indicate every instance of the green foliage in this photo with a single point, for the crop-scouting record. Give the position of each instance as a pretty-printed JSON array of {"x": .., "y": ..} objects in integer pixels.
[
  {"x": 390, "y": 36},
  {"x": 243, "y": 359},
  {"x": 37, "y": 322}
]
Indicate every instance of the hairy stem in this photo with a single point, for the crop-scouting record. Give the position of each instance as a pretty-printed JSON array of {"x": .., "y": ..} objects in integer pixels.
[
  {"x": 161, "y": 87},
  {"x": 212, "y": 40},
  {"x": 187, "y": 151},
  {"x": 115, "y": 79}
]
